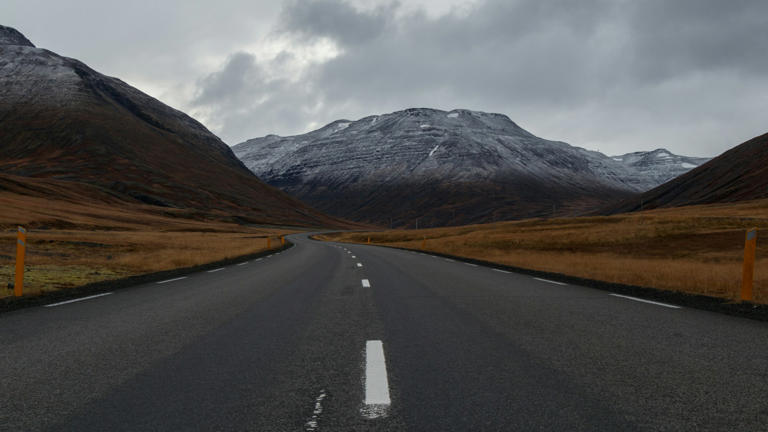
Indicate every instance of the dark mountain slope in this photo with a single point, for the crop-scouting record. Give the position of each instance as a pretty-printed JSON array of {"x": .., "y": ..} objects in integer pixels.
[
  {"x": 437, "y": 167},
  {"x": 737, "y": 175},
  {"x": 60, "y": 119}
]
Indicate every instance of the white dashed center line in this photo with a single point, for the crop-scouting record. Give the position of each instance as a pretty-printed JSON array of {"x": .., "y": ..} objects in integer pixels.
[
  {"x": 500, "y": 270},
  {"x": 646, "y": 301},
  {"x": 377, "y": 400},
  {"x": 244, "y": 263},
  {"x": 172, "y": 280},
  {"x": 77, "y": 300},
  {"x": 366, "y": 284},
  {"x": 359, "y": 264},
  {"x": 215, "y": 270},
  {"x": 470, "y": 264},
  {"x": 550, "y": 281},
  {"x": 313, "y": 422}
]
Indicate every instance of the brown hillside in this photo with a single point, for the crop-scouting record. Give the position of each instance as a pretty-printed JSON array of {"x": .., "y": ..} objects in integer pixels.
[
  {"x": 696, "y": 249},
  {"x": 61, "y": 120}
]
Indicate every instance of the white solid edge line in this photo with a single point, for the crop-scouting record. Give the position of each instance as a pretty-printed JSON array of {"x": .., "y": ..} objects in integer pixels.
[
  {"x": 377, "y": 400},
  {"x": 500, "y": 270},
  {"x": 470, "y": 264},
  {"x": 550, "y": 281},
  {"x": 366, "y": 283},
  {"x": 215, "y": 270},
  {"x": 242, "y": 264},
  {"x": 77, "y": 300},
  {"x": 258, "y": 259},
  {"x": 172, "y": 280},
  {"x": 647, "y": 301}
]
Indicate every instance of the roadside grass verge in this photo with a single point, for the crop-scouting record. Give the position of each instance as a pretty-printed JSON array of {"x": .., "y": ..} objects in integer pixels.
[
  {"x": 697, "y": 249},
  {"x": 70, "y": 244}
]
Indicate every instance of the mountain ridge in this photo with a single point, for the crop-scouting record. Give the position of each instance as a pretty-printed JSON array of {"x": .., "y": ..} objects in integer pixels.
[
  {"x": 64, "y": 121},
  {"x": 465, "y": 158},
  {"x": 11, "y": 36},
  {"x": 355, "y": 168}
]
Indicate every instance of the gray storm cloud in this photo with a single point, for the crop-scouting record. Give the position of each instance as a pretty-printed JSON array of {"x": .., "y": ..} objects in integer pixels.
[
  {"x": 335, "y": 19},
  {"x": 612, "y": 75}
]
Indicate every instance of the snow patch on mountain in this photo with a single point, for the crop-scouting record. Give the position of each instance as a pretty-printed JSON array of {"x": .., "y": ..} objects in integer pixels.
[{"x": 342, "y": 126}]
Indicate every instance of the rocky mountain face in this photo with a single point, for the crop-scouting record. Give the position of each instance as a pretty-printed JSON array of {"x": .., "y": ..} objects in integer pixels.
[
  {"x": 63, "y": 121},
  {"x": 444, "y": 168},
  {"x": 737, "y": 175},
  {"x": 11, "y": 36}
]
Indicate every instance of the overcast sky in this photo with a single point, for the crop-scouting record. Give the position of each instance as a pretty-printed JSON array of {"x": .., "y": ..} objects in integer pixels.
[{"x": 608, "y": 75}]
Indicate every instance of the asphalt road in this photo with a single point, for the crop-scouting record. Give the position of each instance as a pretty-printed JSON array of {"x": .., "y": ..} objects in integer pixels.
[{"x": 298, "y": 342}]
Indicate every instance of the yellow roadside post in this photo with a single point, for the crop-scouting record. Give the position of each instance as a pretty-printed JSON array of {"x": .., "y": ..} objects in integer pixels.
[
  {"x": 748, "y": 273},
  {"x": 369, "y": 240},
  {"x": 282, "y": 240},
  {"x": 21, "y": 248}
]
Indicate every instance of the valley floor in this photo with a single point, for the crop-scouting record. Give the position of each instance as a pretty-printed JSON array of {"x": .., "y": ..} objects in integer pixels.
[
  {"x": 697, "y": 249},
  {"x": 70, "y": 244}
]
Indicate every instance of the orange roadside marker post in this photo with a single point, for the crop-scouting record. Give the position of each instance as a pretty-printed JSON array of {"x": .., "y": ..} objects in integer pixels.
[
  {"x": 369, "y": 240},
  {"x": 21, "y": 248},
  {"x": 269, "y": 243},
  {"x": 282, "y": 241},
  {"x": 748, "y": 273}
]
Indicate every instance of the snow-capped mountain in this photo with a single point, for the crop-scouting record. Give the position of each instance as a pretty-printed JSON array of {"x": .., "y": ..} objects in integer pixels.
[
  {"x": 65, "y": 122},
  {"x": 439, "y": 167},
  {"x": 649, "y": 169},
  {"x": 739, "y": 174}
]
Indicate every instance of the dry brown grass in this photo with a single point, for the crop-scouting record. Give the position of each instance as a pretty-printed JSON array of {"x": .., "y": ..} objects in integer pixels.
[
  {"x": 695, "y": 249},
  {"x": 71, "y": 244}
]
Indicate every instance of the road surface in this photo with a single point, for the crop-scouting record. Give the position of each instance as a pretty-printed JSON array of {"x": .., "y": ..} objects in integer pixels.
[{"x": 333, "y": 337}]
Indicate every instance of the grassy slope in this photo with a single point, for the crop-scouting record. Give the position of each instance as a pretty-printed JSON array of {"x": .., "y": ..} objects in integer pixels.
[
  {"x": 697, "y": 249},
  {"x": 71, "y": 243}
]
